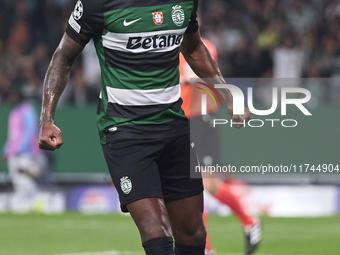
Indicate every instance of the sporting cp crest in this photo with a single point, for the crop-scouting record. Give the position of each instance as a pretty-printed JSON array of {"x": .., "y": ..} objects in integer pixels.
[
  {"x": 157, "y": 17},
  {"x": 177, "y": 15},
  {"x": 126, "y": 184}
]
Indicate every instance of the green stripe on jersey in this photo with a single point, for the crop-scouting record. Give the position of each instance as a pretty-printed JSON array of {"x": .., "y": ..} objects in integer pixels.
[{"x": 114, "y": 20}]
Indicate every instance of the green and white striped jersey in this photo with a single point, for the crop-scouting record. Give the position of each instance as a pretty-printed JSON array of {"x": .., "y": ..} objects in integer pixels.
[{"x": 138, "y": 44}]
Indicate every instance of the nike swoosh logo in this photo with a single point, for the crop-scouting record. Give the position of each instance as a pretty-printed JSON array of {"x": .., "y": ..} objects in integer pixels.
[{"x": 130, "y": 22}]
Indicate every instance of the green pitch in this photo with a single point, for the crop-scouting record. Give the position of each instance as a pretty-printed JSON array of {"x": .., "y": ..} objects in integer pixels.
[{"x": 75, "y": 234}]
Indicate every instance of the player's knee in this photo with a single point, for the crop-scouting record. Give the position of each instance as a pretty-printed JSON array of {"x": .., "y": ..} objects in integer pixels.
[
  {"x": 195, "y": 236},
  {"x": 151, "y": 218},
  {"x": 200, "y": 235},
  {"x": 155, "y": 229}
]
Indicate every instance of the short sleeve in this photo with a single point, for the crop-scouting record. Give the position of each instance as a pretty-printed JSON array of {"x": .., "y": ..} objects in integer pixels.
[
  {"x": 86, "y": 21},
  {"x": 193, "y": 24}
]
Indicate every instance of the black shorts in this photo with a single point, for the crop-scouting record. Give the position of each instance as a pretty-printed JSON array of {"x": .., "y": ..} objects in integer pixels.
[
  {"x": 206, "y": 139},
  {"x": 145, "y": 168}
]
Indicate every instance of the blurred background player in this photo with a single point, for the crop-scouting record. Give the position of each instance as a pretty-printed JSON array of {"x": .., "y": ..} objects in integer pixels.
[
  {"x": 24, "y": 159},
  {"x": 206, "y": 140}
]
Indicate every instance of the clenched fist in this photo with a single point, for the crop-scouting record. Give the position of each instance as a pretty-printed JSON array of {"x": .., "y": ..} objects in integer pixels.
[{"x": 50, "y": 137}]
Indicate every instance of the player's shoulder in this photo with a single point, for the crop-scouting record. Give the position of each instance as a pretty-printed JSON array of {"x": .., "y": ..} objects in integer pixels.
[
  {"x": 87, "y": 7},
  {"x": 195, "y": 2}
]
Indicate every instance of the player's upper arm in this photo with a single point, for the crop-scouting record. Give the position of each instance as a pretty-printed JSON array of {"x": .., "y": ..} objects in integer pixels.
[
  {"x": 86, "y": 21},
  {"x": 67, "y": 51},
  {"x": 192, "y": 37},
  {"x": 190, "y": 43}
]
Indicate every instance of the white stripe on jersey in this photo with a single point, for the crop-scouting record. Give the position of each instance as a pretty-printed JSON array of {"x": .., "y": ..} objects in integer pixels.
[
  {"x": 137, "y": 97},
  {"x": 119, "y": 41}
]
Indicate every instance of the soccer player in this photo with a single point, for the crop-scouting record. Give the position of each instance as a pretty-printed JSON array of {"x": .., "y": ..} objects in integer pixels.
[
  {"x": 143, "y": 129},
  {"x": 24, "y": 159},
  {"x": 206, "y": 143}
]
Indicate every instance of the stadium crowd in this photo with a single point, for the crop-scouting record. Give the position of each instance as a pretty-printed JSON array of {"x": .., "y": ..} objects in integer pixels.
[{"x": 254, "y": 38}]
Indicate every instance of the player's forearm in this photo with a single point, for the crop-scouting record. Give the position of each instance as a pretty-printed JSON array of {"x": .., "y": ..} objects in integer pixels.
[
  {"x": 204, "y": 66},
  {"x": 57, "y": 76},
  {"x": 54, "y": 84}
]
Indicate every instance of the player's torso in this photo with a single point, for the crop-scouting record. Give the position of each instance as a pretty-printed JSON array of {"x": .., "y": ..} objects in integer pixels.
[
  {"x": 146, "y": 35},
  {"x": 139, "y": 56}
]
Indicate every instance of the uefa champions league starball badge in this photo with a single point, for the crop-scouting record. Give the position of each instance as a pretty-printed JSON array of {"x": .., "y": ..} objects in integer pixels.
[
  {"x": 78, "y": 10},
  {"x": 126, "y": 185},
  {"x": 177, "y": 15}
]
